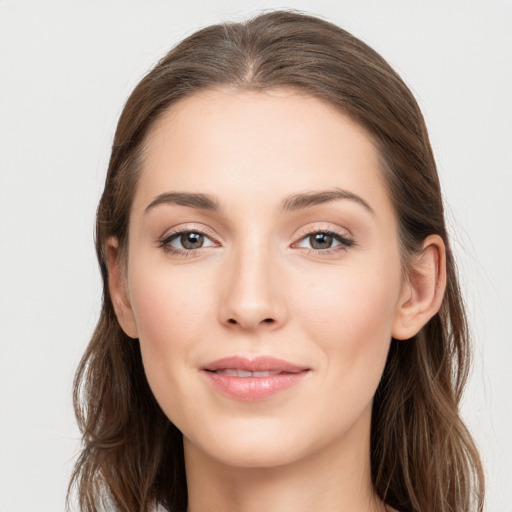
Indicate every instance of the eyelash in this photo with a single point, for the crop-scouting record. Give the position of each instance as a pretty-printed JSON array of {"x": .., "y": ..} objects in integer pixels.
[{"x": 345, "y": 242}]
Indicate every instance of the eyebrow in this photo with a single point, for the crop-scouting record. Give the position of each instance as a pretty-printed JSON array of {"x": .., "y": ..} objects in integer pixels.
[
  {"x": 308, "y": 199},
  {"x": 192, "y": 200},
  {"x": 299, "y": 201}
]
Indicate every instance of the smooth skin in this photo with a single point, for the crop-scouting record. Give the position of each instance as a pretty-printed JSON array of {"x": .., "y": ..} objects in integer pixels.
[{"x": 258, "y": 283}]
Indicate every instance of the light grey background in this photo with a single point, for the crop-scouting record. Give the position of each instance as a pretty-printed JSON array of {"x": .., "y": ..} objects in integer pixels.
[{"x": 66, "y": 69}]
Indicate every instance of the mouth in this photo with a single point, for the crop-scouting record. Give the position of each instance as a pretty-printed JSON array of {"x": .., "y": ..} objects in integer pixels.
[
  {"x": 258, "y": 365},
  {"x": 237, "y": 372},
  {"x": 252, "y": 380}
]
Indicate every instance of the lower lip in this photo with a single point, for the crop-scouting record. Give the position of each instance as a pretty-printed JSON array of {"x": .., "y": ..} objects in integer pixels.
[{"x": 252, "y": 389}]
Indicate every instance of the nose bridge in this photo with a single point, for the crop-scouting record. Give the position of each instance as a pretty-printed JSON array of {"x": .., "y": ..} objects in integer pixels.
[{"x": 251, "y": 295}]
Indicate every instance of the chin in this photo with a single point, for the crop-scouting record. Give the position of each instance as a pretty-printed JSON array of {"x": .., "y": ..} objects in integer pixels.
[
  {"x": 250, "y": 455},
  {"x": 255, "y": 446}
]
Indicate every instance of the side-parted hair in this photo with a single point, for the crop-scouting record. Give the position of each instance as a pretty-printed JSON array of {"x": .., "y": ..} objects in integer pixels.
[{"x": 422, "y": 457}]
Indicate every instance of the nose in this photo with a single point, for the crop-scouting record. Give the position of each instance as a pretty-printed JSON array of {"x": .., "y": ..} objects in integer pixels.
[{"x": 253, "y": 291}]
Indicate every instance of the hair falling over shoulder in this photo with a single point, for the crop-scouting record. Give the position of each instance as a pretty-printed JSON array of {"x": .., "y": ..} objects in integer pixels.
[{"x": 423, "y": 459}]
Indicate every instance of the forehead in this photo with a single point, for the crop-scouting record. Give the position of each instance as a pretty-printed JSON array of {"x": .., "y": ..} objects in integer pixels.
[{"x": 240, "y": 145}]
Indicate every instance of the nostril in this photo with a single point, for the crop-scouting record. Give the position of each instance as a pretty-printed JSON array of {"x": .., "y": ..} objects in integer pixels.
[{"x": 233, "y": 321}]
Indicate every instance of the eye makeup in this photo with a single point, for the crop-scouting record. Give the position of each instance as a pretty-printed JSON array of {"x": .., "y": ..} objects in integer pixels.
[{"x": 323, "y": 242}]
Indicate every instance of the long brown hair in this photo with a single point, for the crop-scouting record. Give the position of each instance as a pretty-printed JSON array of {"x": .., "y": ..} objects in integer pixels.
[{"x": 422, "y": 456}]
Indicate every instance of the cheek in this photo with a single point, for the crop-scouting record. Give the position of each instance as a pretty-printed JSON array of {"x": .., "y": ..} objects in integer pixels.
[
  {"x": 350, "y": 317},
  {"x": 171, "y": 310},
  {"x": 350, "y": 302},
  {"x": 165, "y": 301}
]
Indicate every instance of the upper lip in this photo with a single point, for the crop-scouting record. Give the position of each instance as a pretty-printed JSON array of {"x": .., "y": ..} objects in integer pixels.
[{"x": 257, "y": 364}]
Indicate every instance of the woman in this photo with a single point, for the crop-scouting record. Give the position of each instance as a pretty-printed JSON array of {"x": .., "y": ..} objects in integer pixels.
[{"x": 282, "y": 327}]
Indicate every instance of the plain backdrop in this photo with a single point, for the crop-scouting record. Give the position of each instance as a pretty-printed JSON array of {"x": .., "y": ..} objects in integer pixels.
[{"x": 66, "y": 69}]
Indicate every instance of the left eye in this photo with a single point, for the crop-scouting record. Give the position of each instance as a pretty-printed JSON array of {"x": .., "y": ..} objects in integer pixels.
[
  {"x": 188, "y": 240},
  {"x": 322, "y": 240}
]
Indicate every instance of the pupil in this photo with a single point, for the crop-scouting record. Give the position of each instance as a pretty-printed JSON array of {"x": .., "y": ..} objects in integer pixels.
[
  {"x": 321, "y": 241},
  {"x": 192, "y": 240}
]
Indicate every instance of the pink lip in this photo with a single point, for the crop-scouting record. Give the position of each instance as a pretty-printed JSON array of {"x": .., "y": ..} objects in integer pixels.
[{"x": 251, "y": 389}]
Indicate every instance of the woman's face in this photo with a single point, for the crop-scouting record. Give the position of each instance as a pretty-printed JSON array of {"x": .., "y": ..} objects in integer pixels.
[{"x": 262, "y": 239}]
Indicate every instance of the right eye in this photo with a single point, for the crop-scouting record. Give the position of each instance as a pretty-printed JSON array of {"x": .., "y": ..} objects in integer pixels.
[{"x": 186, "y": 242}]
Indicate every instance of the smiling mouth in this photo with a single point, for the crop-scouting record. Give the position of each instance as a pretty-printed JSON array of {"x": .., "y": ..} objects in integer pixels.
[
  {"x": 261, "y": 366},
  {"x": 251, "y": 380},
  {"x": 235, "y": 372}
]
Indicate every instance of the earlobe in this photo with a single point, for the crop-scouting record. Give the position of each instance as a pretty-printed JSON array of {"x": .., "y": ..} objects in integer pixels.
[
  {"x": 118, "y": 289},
  {"x": 423, "y": 292}
]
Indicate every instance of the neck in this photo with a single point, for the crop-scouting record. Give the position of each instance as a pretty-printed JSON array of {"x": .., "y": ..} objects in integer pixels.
[{"x": 333, "y": 479}]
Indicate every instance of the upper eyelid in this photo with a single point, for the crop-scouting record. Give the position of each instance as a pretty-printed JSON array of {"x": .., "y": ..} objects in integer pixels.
[
  {"x": 191, "y": 229},
  {"x": 323, "y": 229},
  {"x": 301, "y": 235},
  {"x": 345, "y": 240}
]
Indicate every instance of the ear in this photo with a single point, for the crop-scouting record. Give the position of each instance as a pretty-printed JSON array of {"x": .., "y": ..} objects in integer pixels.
[
  {"x": 118, "y": 289},
  {"x": 423, "y": 290}
]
